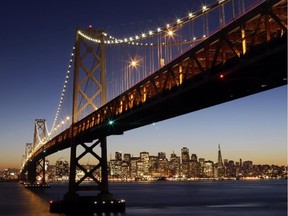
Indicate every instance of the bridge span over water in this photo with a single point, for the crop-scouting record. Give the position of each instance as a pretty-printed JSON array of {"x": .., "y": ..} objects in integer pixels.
[{"x": 242, "y": 57}]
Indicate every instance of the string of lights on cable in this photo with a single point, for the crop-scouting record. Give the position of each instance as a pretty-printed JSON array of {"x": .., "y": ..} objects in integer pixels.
[
  {"x": 133, "y": 40},
  {"x": 54, "y": 126}
]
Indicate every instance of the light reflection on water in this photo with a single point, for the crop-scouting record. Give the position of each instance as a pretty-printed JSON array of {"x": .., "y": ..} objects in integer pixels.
[{"x": 217, "y": 198}]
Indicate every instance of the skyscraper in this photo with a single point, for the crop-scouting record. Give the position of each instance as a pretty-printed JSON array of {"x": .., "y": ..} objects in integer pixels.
[
  {"x": 161, "y": 156},
  {"x": 185, "y": 154},
  {"x": 220, "y": 161},
  {"x": 185, "y": 161},
  {"x": 174, "y": 165},
  {"x": 144, "y": 157},
  {"x": 118, "y": 156},
  {"x": 220, "y": 166},
  {"x": 127, "y": 157}
]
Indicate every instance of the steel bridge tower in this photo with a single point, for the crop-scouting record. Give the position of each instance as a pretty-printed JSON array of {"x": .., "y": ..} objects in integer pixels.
[
  {"x": 89, "y": 73},
  {"x": 89, "y": 70},
  {"x": 36, "y": 169}
]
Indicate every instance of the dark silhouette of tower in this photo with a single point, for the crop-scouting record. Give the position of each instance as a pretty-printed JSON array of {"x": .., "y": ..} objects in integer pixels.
[
  {"x": 220, "y": 161},
  {"x": 220, "y": 166}
]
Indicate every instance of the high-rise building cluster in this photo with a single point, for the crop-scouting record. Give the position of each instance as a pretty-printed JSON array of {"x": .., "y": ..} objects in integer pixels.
[
  {"x": 151, "y": 167},
  {"x": 9, "y": 175},
  {"x": 187, "y": 166}
]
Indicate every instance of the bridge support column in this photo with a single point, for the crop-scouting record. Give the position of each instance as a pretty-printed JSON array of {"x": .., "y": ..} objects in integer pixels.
[
  {"x": 32, "y": 172},
  {"x": 97, "y": 177},
  {"x": 41, "y": 173},
  {"x": 104, "y": 195},
  {"x": 36, "y": 170}
]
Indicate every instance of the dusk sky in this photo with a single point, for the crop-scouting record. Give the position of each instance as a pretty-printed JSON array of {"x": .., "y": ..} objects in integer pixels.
[{"x": 35, "y": 45}]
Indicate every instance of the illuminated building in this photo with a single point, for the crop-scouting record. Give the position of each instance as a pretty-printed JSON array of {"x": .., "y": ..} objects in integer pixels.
[
  {"x": 62, "y": 169},
  {"x": 126, "y": 157},
  {"x": 185, "y": 161},
  {"x": 208, "y": 169},
  {"x": 153, "y": 165},
  {"x": 118, "y": 164},
  {"x": 133, "y": 164},
  {"x": 118, "y": 156},
  {"x": 144, "y": 157},
  {"x": 220, "y": 167},
  {"x": 174, "y": 165},
  {"x": 161, "y": 156},
  {"x": 125, "y": 170}
]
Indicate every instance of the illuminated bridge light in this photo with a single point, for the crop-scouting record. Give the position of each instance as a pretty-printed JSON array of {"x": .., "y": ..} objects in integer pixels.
[
  {"x": 110, "y": 122},
  {"x": 204, "y": 8},
  {"x": 170, "y": 33},
  {"x": 221, "y": 76},
  {"x": 133, "y": 63}
]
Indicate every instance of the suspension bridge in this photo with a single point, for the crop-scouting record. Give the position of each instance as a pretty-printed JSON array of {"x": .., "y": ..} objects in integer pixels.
[{"x": 226, "y": 50}]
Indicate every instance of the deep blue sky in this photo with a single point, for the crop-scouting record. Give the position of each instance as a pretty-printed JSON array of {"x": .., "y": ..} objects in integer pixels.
[{"x": 35, "y": 44}]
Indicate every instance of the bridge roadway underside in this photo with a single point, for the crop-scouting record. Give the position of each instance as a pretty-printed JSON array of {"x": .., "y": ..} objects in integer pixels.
[{"x": 264, "y": 68}]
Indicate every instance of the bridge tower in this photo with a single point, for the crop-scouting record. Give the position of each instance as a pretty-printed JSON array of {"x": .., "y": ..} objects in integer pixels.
[
  {"x": 31, "y": 177},
  {"x": 89, "y": 94},
  {"x": 36, "y": 168},
  {"x": 89, "y": 72}
]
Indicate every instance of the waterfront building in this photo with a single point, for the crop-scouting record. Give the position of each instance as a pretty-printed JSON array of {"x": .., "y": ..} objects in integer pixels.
[
  {"x": 163, "y": 167},
  {"x": 118, "y": 156},
  {"x": 118, "y": 164},
  {"x": 153, "y": 165},
  {"x": 247, "y": 169},
  {"x": 230, "y": 169},
  {"x": 125, "y": 170},
  {"x": 10, "y": 174},
  {"x": 174, "y": 165},
  {"x": 127, "y": 157},
  {"x": 193, "y": 157},
  {"x": 133, "y": 165},
  {"x": 185, "y": 155},
  {"x": 237, "y": 169},
  {"x": 220, "y": 165},
  {"x": 144, "y": 157},
  {"x": 61, "y": 169},
  {"x": 111, "y": 166},
  {"x": 185, "y": 161},
  {"x": 161, "y": 156},
  {"x": 139, "y": 168},
  {"x": 201, "y": 170},
  {"x": 208, "y": 169}
]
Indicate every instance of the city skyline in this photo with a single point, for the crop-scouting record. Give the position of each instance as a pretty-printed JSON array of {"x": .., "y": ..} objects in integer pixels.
[
  {"x": 147, "y": 167},
  {"x": 36, "y": 48}
]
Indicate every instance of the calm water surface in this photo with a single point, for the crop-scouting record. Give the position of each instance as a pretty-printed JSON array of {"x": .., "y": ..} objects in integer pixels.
[{"x": 217, "y": 198}]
